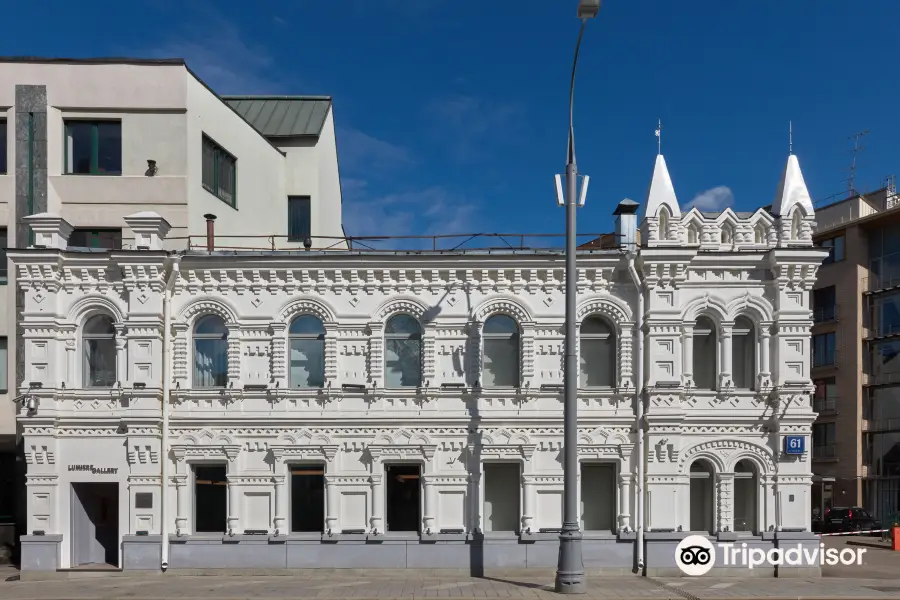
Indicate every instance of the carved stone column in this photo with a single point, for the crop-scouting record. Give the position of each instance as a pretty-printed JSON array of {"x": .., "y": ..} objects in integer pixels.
[
  {"x": 279, "y": 354},
  {"x": 376, "y": 353},
  {"x": 180, "y": 353},
  {"x": 475, "y": 501},
  {"x": 331, "y": 504},
  {"x": 528, "y": 502},
  {"x": 725, "y": 360},
  {"x": 687, "y": 352},
  {"x": 475, "y": 352},
  {"x": 725, "y": 501},
  {"x": 528, "y": 334},
  {"x": 234, "y": 353},
  {"x": 281, "y": 505},
  {"x": 121, "y": 357},
  {"x": 625, "y": 501},
  {"x": 765, "y": 339},
  {"x": 377, "y": 481},
  {"x": 429, "y": 518},
  {"x": 331, "y": 355},
  {"x": 182, "y": 504}
]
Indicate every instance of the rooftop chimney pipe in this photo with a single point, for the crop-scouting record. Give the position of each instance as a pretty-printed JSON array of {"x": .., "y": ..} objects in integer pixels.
[{"x": 210, "y": 231}]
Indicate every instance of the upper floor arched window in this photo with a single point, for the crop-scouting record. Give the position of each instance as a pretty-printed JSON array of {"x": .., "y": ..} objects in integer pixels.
[
  {"x": 403, "y": 352},
  {"x": 796, "y": 224},
  {"x": 501, "y": 352},
  {"x": 759, "y": 234},
  {"x": 727, "y": 234},
  {"x": 664, "y": 223},
  {"x": 693, "y": 234},
  {"x": 99, "y": 347},
  {"x": 598, "y": 353},
  {"x": 743, "y": 353},
  {"x": 210, "y": 352},
  {"x": 307, "y": 347},
  {"x": 705, "y": 354}
]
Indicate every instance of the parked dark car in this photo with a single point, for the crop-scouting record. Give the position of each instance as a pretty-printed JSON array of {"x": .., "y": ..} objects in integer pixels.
[{"x": 847, "y": 520}]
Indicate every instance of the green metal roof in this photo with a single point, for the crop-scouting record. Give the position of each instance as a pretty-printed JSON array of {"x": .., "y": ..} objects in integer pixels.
[{"x": 282, "y": 116}]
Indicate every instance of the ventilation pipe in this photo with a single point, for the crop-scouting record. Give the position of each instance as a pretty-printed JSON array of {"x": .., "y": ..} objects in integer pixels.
[
  {"x": 166, "y": 391},
  {"x": 210, "y": 231}
]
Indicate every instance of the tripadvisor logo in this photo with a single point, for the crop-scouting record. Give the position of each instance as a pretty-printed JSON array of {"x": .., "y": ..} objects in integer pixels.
[{"x": 695, "y": 555}]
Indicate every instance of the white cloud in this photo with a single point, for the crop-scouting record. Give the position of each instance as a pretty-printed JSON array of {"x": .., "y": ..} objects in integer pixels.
[
  {"x": 715, "y": 199},
  {"x": 362, "y": 153}
]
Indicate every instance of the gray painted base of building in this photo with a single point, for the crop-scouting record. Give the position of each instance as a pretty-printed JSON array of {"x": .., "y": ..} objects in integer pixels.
[{"x": 476, "y": 555}]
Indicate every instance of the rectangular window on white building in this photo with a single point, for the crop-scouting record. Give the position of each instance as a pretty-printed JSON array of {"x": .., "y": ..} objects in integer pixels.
[
  {"x": 299, "y": 218},
  {"x": 4, "y": 243},
  {"x": 307, "y": 498},
  {"x": 108, "y": 239},
  {"x": 598, "y": 496},
  {"x": 4, "y": 361},
  {"x": 3, "y": 135},
  {"x": 210, "y": 499},
  {"x": 219, "y": 172},
  {"x": 502, "y": 485},
  {"x": 93, "y": 147}
]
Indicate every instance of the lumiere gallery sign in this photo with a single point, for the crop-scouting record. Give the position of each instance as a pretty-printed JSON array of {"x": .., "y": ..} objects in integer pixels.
[{"x": 94, "y": 470}]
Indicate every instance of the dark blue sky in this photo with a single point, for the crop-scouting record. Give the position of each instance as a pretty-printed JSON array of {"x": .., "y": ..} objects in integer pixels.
[{"x": 452, "y": 113}]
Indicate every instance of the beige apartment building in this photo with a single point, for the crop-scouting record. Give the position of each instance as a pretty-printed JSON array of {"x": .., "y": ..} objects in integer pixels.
[
  {"x": 856, "y": 355},
  {"x": 94, "y": 141}
]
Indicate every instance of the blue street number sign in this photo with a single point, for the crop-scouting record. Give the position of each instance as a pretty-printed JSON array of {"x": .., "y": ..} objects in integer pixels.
[{"x": 794, "y": 444}]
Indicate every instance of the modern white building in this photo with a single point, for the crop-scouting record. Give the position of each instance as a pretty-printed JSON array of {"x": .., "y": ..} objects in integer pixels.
[
  {"x": 96, "y": 140},
  {"x": 318, "y": 408}
]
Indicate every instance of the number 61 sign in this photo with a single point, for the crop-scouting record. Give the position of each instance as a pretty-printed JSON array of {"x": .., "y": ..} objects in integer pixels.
[{"x": 794, "y": 444}]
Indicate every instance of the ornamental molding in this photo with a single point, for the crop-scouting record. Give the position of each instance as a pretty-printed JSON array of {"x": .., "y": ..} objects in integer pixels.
[
  {"x": 503, "y": 305},
  {"x": 142, "y": 480},
  {"x": 401, "y": 305},
  {"x": 304, "y": 445},
  {"x": 724, "y": 454},
  {"x": 609, "y": 306},
  {"x": 210, "y": 305},
  {"x": 403, "y": 444},
  {"x": 309, "y": 306},
  {"x": 205, "y": 444}
]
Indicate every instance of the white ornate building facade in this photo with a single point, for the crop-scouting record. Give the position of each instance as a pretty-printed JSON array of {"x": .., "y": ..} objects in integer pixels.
[{"x": 376, "y": 409}]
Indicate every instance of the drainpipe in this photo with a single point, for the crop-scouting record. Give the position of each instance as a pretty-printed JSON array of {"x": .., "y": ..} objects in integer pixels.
[
  {"x": 639, "y": 409},
  {"x": 166, "y": 390},
  {"x": 210, "y": 232}
]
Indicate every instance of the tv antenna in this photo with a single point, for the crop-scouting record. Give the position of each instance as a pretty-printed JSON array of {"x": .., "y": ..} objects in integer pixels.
[{"x": 856, "y": 150}]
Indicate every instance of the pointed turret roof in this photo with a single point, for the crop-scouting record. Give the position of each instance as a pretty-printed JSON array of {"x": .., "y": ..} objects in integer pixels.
[
  {"x": 661, "y": 191},
  {"x": 792, "y": 190}
]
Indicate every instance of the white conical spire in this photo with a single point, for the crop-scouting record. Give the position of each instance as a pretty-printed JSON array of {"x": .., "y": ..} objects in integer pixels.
[
  {"x": 792, "y": 190},
  {"x": 661, "y": 192}
]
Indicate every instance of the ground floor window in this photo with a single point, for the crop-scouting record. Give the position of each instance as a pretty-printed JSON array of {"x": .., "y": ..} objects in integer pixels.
[
  {"x": 598, "y": 496},
  {"x": 502, "y": 500},
  {"x": 307, "y": 498},
  {"x": 210, "y": 499},
  {"x": 404, "y": 494},
  {"x": 702, "y": 489}
]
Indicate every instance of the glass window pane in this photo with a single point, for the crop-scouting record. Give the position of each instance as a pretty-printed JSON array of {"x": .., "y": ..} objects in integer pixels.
[
  {"x": 839, "y": 248},
  {"x": 299, "y": 218},
  {"x": 307, "y": 325},
  {"x": 209, "y": 166},
  {"x": 210, "y": 363},
  {"x": 4, "y": 243},
  {"x": 705, "y": 354},
  {"x": 501, "y": 362},
  {"x": 595, "y": 325},
  {"x": 402, "y": 324},
  {"x": 501, "y": 324},
  {"x": 3, "y": 165},
  {"x": 307, "y": 363},
  {"x": 80, "y": 146},
  {"x": 403, "y": 364},
  {"x": 597, "y": 363},
  {"x": 210, "y": 325},
  {"x": 109, "y": 147},
  {"x": 99, "y": 325},
  {"x": 100, "y": 360}
]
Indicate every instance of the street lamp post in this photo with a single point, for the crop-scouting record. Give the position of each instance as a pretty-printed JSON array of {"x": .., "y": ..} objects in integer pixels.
[{"x": 570, "y": 569}]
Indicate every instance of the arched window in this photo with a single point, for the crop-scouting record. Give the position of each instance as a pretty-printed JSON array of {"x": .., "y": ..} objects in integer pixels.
[
  {"x": 796, "y": 225},
  {"x": 705, "y": 354},
  {"x": 702, "y": 505},
  {"x": 727, "y": 234},
  {"x": 403, "y": 352},
  {"x": 746, "y": 491},
  {"x": 598, "y": 353},
  {"x": 210, "y": 352},
  {"x": 693, "y": 234},
  {"x": 99, "y": 343},
  {"x": 743, "y": 353},
  {"x": 501, "y": 352},
  {"x": 307, "y": 338},
  {"x": 759, "y": 234},
  {"x": 664, "y": 223}
]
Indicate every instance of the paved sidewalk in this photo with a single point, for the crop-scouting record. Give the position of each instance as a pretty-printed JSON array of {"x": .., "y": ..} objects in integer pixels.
[{"x": 379, "y": 585}]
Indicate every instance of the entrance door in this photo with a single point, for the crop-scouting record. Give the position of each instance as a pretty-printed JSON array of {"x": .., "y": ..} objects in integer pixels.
[
  {"x": 403, "y": 498},
  {"x": 95, "y": 524}
]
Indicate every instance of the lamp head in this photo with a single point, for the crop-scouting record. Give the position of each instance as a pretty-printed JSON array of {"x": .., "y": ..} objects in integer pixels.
[{"x": 588, "y": 9}]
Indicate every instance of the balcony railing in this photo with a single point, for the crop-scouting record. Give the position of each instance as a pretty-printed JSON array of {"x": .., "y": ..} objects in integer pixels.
[
  {"x": 825, "y": 406},
  {"x": 825, "y": 452},
  {"x": 825, "y": 314}
]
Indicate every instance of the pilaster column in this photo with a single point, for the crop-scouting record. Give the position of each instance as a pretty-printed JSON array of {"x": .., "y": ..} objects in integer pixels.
[
  {"x": 121, "y": 358},
  {"x": 765, "y": 339},
  {"x": 476, "y": 352},
  {"x": 725, "y": 500},
  {"x": 234, "y": 520},
  {"x": 234, "y": 353},
  {"x": 475, "y": 502},
  {"x": 429, "y": 519},
  {"x": 376, "y": 353},
  {"x": 528, "y": 498},
  {"x": 331, "y": 504},
  {"x": 625, "y": 501},
  {"x": 377, "y": 481},
  {"x": 281, "y": 496},
  {"x": 69, "y": 375},
  {"x": 182, "y": 504},
  {"x": 725, "y": 361},
  {"x": 180, "y": 353},
  {"x": 279, "y": 354},
  {"x": 331, "y": 355},
  {"x": 687, "y": 352}
]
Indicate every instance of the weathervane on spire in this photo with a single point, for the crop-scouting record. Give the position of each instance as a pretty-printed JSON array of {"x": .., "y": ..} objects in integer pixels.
[
  {"x": 790, "y": 137},
  {"x": 659, "y": 137}
]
